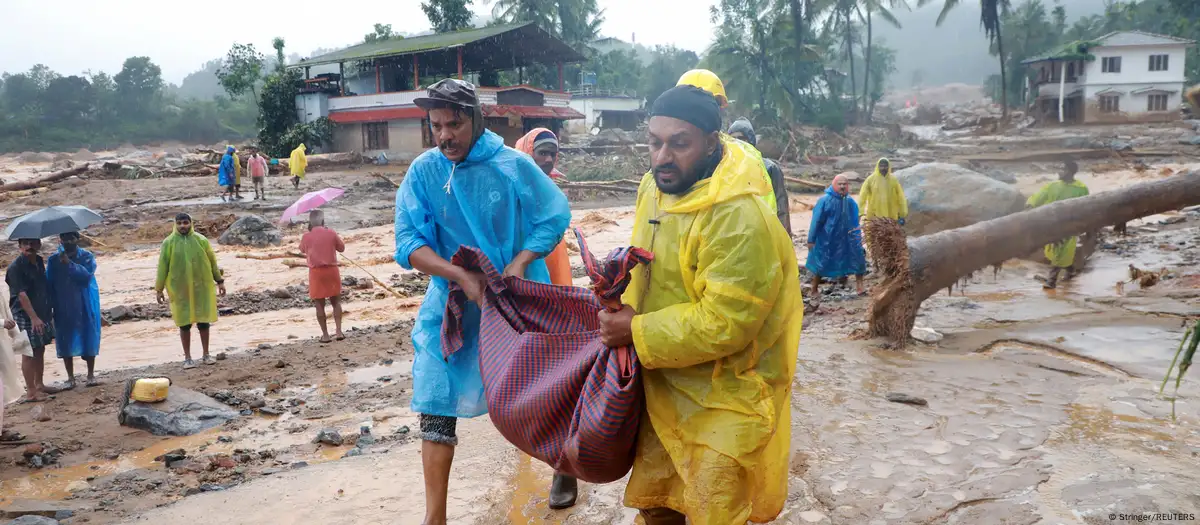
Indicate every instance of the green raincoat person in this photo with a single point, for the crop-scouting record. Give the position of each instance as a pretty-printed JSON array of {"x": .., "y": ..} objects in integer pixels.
[
  {"x": 1060, "y": 254},
  {"x": 188, "y": 271}
]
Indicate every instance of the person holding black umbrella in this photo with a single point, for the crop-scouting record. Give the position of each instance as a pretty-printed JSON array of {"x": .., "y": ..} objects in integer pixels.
[
  {"x": 71, "y": 274},
  {"x": 33, "y": 313}
]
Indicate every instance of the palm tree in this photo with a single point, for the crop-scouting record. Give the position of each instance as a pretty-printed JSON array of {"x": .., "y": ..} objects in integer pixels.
[
  {"x": 865, "y": 12},
  {"x": 544, "y": 13},
  {"x": 989, "y": 18}
]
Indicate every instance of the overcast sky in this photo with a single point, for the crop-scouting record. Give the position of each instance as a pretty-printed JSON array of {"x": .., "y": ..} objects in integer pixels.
[{"x": 72, "y": 36}]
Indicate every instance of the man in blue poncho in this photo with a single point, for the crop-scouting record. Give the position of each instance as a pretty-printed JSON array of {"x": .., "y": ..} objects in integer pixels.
[
  {"x": 472, "y": 190},
  {"x": 227, "y": 174},
  {"x": 834, "y": 239},
  {"x": 71, "y": 274}
]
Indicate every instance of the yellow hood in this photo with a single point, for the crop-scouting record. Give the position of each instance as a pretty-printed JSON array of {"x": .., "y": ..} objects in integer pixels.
[{"x": 740, "y": 172}]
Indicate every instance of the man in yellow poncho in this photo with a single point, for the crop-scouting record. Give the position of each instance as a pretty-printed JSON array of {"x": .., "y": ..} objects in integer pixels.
[
  {"x": 1061, "y": 254},
  {"x": 710, "y": 82},
  {"x": 882, "y": 196},
  {"x": 298, "y": 163},
  {"x": 716, "y": 323},
  {"x": 187, "y": 271}
]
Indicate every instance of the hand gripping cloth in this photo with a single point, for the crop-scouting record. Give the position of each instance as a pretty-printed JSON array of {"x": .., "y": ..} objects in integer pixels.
[{"x": 553, "y": 389}]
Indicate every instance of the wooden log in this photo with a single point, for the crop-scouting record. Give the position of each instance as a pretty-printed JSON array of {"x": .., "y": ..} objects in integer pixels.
[
  {"x": 936, "y": 262},
  {"x": 53, "y": 177},
  {"x": 805, "y": 183}
]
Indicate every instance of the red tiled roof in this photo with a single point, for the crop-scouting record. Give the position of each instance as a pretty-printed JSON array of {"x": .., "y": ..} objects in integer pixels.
[
  {"x": 555, "y": 112},
  {"x": 376, "y": 115}
]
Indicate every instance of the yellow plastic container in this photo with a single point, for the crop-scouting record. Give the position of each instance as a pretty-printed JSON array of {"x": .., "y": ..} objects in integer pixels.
[{"x": 150, "y": 390}]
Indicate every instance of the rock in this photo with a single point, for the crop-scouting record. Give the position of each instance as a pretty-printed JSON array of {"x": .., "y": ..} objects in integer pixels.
[
  {"x": 39, "y": 413},
  {"x": 1120, "y": 145},
  {"x": 280, "y": 363},
  {"x": 273, "y": 387},
  {"x": 183, "y": 413},
  {"x": 258, "y": 403},
  {"x": 926, "y": 335},
  {"x": 946, "y": 196},
  {"x": 118, "y": 313},
  {"x": 329, "y": 436},
  {"x": 352, "y": 452},
  {"x": 897, "y": 397},
  {"x": 365, "y": 440},
  {"x": 281, "y": 293},
  {"x": 33, "y": 449},
  {"x": 175, "y": 455},
  {"x": 30, "y": 508},
  {"x": 225, "y": 462},
  {"x": 62, "y": 164},
  {"x": 33, "y": 520},
  {"x": 264, "y": 346},
  {"x": 350, "y": 280},
  {"x": 224, "y": 439},
  {"x": 299, "y": 464},
  {"x": 78, "y": 486},
  {"x": 252, "y": 230},
  {"x": 402, "y": 430},
  {"x": 1173, "y": 220},
  {"x": 247, "y": 412},
  {"x": 211, "y": 487},
  {"x": 271, "y": 411},
  {"x": 221, "y": 356},
  {"x": 1191, "y": 141}
]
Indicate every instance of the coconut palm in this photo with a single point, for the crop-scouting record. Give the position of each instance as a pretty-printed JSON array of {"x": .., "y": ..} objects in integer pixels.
[{"x": 989, "y": 18}]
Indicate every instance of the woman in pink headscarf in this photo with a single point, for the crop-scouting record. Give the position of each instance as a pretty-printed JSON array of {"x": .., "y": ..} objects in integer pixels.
[{"x": 542, "y": 145}]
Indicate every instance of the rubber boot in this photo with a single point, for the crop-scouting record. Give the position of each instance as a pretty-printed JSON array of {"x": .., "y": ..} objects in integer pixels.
[{"x": 564, "y": 490}]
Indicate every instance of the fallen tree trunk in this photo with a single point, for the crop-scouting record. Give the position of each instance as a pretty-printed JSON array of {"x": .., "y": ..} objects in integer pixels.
[
  {"x": 53, "y": 177},
  {"x": 805, "y": 183},
  {"x": 935, "y": 262}
]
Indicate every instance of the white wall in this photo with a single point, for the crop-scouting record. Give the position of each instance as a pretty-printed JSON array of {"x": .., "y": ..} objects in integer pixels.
[
  {"x": 1135, "y": 75},
  {"x": 592, "y": 106}
]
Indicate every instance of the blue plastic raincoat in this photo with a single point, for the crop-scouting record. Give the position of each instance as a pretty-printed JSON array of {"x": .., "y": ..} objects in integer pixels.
[
  {"x": 837, "y": 243},
  {"x": 76, "y": 297},
  {"x": 226, "y": 172},
  {"x": 496, "y": 200}
]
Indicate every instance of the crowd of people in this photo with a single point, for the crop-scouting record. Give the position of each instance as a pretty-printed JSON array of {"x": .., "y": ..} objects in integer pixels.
[{"x": 715, "y": 318}]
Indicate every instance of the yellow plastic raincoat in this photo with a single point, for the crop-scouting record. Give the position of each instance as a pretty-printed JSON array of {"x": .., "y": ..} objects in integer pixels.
[
  {"x": 187, "y": 270},
  {"x": 717, "y": 335},
  {"x": 1061, "y": 254},
  {"x": 882, "y": 196},
  {"x": 237, "y": 169},
  {"x": 298, "y": 163}
]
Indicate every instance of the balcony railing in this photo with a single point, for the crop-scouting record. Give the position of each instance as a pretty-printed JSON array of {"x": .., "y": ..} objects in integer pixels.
[{"x": 407, "y": 98}]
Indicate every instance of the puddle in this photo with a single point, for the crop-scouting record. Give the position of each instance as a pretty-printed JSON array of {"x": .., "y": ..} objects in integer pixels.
[
  {"x": 994, "y": 296},
  {"x": 372, "y": 374},
  {"x": 531, "y": 487},
  {"x": 1092, "y": 424},
  {"x": 1143, "y": 350}
]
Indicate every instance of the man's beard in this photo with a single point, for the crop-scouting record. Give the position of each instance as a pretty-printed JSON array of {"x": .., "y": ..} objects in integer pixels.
[{"x": 679, "y": 182}]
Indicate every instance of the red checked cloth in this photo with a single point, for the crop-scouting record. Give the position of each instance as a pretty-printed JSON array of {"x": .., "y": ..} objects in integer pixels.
[{"x": 553, "y": 389}]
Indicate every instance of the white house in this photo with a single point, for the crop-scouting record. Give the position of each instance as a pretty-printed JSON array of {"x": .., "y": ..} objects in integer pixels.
[
  {"x": 605, "y": 109},
  {"x": 1125, "y": 76}
]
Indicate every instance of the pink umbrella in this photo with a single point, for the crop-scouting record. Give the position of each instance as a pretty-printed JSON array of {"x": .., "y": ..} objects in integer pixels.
[{"x": 310, "y": 201}]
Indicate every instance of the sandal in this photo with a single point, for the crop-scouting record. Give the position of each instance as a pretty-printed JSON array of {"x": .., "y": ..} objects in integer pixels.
[
  {"x": 325, "y": 340},
  {"x": 188, "y": 364},
  {"x": 92, "y": 382},
  {"x": 208, "y": 360},
  {"x": 341, "y": 337}
]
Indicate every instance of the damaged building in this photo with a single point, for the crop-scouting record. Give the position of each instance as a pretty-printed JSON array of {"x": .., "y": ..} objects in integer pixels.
[
  {"x": 1125, "y": 76},
  {"x": 370, "y": 98}
]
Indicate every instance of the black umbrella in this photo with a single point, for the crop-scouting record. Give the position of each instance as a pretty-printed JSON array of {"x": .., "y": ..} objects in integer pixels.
[{"x": 48, "y": 222}]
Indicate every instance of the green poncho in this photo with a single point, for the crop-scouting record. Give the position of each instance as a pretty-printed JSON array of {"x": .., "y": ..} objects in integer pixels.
[
  {"x": 187, "y": 270},
  {"x": 1061, "y": 254}
]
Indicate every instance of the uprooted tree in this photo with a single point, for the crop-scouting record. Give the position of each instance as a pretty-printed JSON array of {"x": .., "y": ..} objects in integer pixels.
[{"x": 915, "y": 270}]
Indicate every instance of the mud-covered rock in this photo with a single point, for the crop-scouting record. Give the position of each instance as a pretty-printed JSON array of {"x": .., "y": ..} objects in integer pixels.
[
  {"x": 946, "y": 196},
  {"x": 183, "y": 413},
  {"x": 252, "y": 230}
]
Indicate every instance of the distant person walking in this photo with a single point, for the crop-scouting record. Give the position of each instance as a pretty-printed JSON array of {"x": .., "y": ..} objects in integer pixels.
[
  {"x": 298, "y": 164},
  {"x": 33, "y": 313},
  {"x": 257, "y": 164},
  {"x": 71, "y": 274},
  {"x": 187, "y": 271},
  {"x": 227, "y": 175},
  {"x": 1060, "y": 254},
  {"x": 320, "y": 247},
  {"x": 882, "y": 196},
  {"x": 542, "y": 145},
  {"x": 835, "y": 247}
]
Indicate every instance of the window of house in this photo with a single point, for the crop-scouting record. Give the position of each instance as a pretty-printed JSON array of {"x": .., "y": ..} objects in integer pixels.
[
  {"x": 1071, "y": 72},
  {"x": 1156, "y": 102},
  {"x": 375, "y": 135},
  {"x": 1110, "y": 65},
  {"x": 1110, "y": 104},
  {"x": 1158, "y": 62}
]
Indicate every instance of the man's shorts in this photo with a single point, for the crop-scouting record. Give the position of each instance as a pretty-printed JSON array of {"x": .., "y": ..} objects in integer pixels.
[
  {"x": 439, "y": 429},
  {"x": 38, "y": 343},
  {"x": 199, "y": 326}
]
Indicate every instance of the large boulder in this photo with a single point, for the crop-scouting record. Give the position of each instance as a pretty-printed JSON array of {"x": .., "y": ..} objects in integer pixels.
[
  {"x": 252, "y": 230},
  {"x": 946, "y": 196},
  {"x": 183, "y": 413}
]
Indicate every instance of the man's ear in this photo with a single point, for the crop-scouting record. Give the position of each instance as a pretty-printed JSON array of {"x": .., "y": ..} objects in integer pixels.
[{"x": 712, "y": 142}]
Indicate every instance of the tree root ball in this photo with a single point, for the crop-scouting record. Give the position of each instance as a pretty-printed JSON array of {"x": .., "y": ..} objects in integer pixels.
[{"x": 893, "y": 308}]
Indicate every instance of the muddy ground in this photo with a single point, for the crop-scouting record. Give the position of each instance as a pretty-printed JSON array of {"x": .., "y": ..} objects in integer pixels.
[{"x": 1041, "y": 406}]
